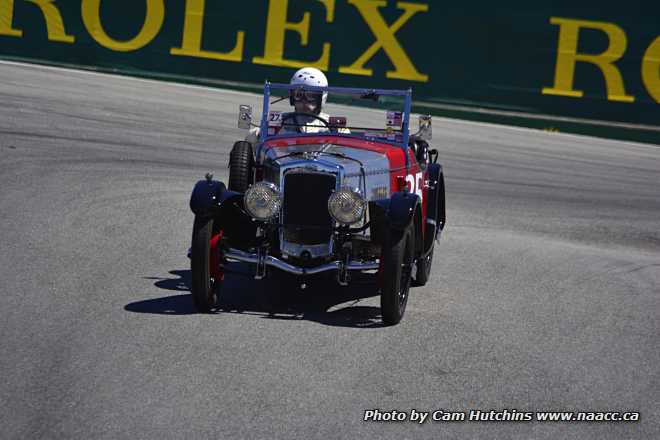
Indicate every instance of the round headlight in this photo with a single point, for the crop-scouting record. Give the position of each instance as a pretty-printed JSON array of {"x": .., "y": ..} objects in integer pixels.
[
  {"x": 346, "y": 206},
  {"x": 262, "y": 200}
]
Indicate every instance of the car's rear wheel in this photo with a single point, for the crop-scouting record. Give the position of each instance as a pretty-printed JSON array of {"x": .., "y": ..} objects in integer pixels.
[
  {"x": 207, "y": 275},
  {"x": 423, "y": 272},
  {"x": 241, "y": 165},
  {"x": 398, "y": 257}
]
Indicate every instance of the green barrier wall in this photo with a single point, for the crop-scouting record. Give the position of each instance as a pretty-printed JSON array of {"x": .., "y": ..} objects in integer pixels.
[{"x": 598, "y": 61}]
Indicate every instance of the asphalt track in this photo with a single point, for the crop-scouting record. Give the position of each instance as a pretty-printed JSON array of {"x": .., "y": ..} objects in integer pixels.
[{"x": 545, "y": 292}]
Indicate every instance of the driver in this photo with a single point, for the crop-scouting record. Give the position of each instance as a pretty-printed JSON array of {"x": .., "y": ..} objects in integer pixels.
[{"x": 303, "y": 101}]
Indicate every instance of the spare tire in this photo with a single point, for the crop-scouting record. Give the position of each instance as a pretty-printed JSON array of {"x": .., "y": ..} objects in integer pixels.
[{"x": 241, "y": 165}]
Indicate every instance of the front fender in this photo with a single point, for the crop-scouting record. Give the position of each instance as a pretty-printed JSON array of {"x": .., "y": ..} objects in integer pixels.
[
  {"x": 213, "y": 199},
  {"x": 206, "y": 196},
  {"x": 397, "y": 212},
  {"x": 402, "y": 210}
]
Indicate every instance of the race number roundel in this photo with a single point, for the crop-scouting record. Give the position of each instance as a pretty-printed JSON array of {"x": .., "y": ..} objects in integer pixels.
[{"x": 415, "y": 184}]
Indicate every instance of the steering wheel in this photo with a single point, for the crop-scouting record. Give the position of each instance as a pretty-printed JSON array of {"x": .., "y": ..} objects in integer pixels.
[{"x": 307, "y": 115}]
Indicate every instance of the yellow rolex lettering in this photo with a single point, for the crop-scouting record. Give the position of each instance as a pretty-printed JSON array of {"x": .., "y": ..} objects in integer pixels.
[
  {"x": 193, "y": 29},
  {"x": 276, "y": 27},
  {"x": 651, "y": 70},
  {"x": 52, "y": 16},
  {"x": 91, "y": 15},
  {"x": 386, "y": 40},
  {"x": 330, "y": 10},
  {"x": 7, "y": 18},
  {"x": 567, "y": 57}
]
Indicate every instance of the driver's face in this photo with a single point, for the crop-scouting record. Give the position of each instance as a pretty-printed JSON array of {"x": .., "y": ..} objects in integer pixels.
[
  {"x": 305, "y": 102},
  {"x": 305, "y": 107}
]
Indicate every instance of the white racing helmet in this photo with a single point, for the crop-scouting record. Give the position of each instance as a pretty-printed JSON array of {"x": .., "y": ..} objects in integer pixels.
[{"x": 310, "y": 76}]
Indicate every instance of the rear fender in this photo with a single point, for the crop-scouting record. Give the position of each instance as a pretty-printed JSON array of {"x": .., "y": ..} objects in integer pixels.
[{"x": 435, "y": 208}]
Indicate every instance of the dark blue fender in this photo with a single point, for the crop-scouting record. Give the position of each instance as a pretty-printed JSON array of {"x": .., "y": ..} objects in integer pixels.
[
  {"x": 206, "y": 197},
  {"x": 435, "y": 205},
  {"x": 213, "y": 199},
  {"x": 400, "y": 211}
]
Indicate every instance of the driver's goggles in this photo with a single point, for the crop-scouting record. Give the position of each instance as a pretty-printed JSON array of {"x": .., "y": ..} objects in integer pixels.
[{"x": 306, "y": 95}]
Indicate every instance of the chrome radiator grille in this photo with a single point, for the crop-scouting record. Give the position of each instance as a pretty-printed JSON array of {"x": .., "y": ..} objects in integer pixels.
[{"x": 305, "y": 207}]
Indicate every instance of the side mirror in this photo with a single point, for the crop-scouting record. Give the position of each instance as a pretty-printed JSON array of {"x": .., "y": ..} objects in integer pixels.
[
  {"x": 425, "y": 127},
  {"x": 245, "y": 116}
]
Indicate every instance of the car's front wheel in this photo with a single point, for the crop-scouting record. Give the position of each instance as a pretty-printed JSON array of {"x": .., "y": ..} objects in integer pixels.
[
  {"x": 205, "y": 265},
  {"x": 398, "y": 256}
]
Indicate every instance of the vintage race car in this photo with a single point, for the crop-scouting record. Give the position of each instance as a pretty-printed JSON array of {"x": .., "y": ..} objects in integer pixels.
[{"x": 339, "y": 199}]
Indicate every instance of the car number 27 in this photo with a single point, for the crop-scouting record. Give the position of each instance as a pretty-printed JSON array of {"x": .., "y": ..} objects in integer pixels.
[{"x": 416, "y": 182}]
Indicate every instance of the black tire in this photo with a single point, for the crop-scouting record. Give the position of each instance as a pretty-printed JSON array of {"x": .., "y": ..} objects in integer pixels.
[
  {"x": 398, "y": 257},
  {"x": 204, "y": 288},
  {"x": 241, "y": 164},
  {"x": 424, "y": 269}
]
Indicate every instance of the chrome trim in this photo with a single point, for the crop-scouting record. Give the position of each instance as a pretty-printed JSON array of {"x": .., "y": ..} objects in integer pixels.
[
  {"x": 376, "y": 165},
  {"x": 349, "y": 173},
  {"x": 246, "y": 257},
  {"x": 315, "y": 166}
]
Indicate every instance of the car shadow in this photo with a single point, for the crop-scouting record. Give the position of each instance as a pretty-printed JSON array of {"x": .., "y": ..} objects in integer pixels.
[{"x": 280, "y": 297}]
